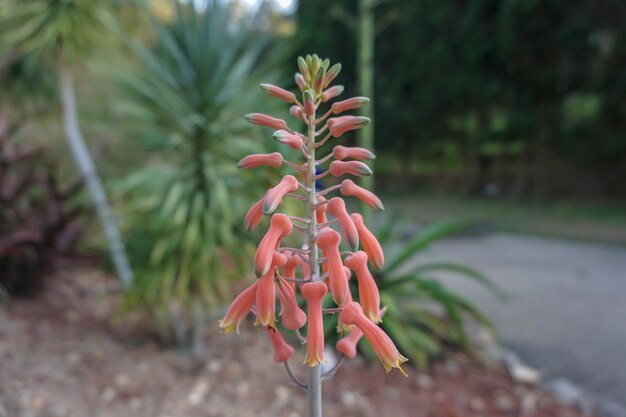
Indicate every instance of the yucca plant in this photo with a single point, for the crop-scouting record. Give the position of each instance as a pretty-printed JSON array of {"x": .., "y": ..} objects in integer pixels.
[
  {"x": 59, "y": 34},
  {"x": 185, "y": 205},
  {"x": 423, "y": 313}
]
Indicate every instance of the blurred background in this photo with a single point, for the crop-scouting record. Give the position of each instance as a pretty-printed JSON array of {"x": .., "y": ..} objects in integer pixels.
[{"x": 500, "y": 134}]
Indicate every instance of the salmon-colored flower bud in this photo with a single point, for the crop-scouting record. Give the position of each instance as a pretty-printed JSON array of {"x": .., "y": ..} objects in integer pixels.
[
  {"x": 293, "y": 140},
  {"x": 332, "y": 92},
  {"x": 296, "y": 111},
  {"x": 293, "y": 262},
  {"x": 274, "y": 195},
  {"x": 337, "y": 207},
  {"x": 266, "y": 293},
  {"x": 349, "y": 188},
  {"x": 340, "y": 125},
  {"x": 369, "y": 242},
  {"x": 254, "y": 215},
  {"x": 382, "y": 344},
  {"x": 319, "y": 79},
  {"x": 265, "y": 120},
  {"x": 328, "y": 241},
  {"x": 301, "y": 82},
  {"x": 280, "y": 226},
  {"x": 292, "y": 316},
  {"x": 348, "y": 344},
  {"x": 278, "y": 92},
  {"x": 349, "y": 104},
  {"x": 306, "y": 270},
  {"x": 314, "y": 292},
  {"x": 309, "y": 102},
  {"x": 341, "y": 152},
  {"x": 331, "y": 74},
  {"x": 356, "y": 168},
  {"x": 239, "y": 309},
  {"x": 368, "y": 291},
  {"x": 304, "y": 68},
  {"x": 273, "y": 159},
  {"x": 320, "y": 211},
  {"x": 282, "y": 349}
]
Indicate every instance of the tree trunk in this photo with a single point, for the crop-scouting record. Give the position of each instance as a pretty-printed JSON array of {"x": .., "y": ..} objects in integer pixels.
[{"x": 87, "y": 169}]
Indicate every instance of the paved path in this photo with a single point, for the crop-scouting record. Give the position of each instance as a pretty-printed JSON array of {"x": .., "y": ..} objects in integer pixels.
[{"x": 566, "y": 312}]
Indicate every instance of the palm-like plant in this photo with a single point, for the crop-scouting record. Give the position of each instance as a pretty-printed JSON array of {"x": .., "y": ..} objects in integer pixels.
[
  {"x": 188, "y": 94},
  {"x": 61, "y": 32}
]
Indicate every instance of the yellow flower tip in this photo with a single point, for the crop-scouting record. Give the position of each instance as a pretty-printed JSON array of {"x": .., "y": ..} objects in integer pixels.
[
  {"x": 269, "y": 322},
  {"x": 228, "y": 327},
  {"x": 313, "y": 362},
  {"x": 402, "y": 370}
]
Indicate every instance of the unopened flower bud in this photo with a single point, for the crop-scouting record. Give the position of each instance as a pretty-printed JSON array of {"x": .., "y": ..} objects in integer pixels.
[
  {"x": 265, "y": 120},
  {"x": 278, "y": 92},
  {"x": 301, "y": 82},
  {"x": 349, "y": 104},
  {"x": 331, "y": 74},
  {"x": 349, "y": 188},
  {"x": 309, "y": 102},
  {"x": 293, "y": 140},
  {"x": 332, "y": 92}
]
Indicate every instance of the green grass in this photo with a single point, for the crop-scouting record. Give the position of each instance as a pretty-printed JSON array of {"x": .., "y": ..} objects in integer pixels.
[{"x": 598, "y": 222}]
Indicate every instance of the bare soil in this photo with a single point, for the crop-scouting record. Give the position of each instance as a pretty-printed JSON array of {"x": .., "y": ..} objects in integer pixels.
[{"x": 66, "y": 353}]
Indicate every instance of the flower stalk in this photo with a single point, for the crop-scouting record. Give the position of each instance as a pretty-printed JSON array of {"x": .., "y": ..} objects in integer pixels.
[{"x": 276, "y": 265}]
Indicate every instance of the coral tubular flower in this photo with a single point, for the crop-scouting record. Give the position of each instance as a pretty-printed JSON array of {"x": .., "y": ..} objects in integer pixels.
[
  {"x": 341, "y": 326},
  {"x": 341, "y": 152},
  {"x": 239, "y": 309},
  {"x": 347, "y": 345},
  {"x": 382, "y": 344},
  {"x": 291, "y": 315},
  {"x": 328, "y": 241},
  {"x": 340, "y": 125},
  {"x": 278, "y": 92},
  {"x": 368, "y": 291},
  {"x": 282, "y": 349},
  {"x": 254, "y": 215},
  {"x": 349, "y": 104},
  {"x": 337, "y": 207},
  {"x": 320, "y": 211},
  {"x": 265, "y": 120},
  {"x": 356, "y": 168},
  {"x": 275, "y": 195},
  {"x": 293, "y": 140},
  {"x": 349, "y": 188},
  {"x": 293, "y": 262},
  {"x": 274, "y": 159},
  {"x": 280, "y": 226},
  {"x": 313, "y": 292},
  {"x": 332, "y": 92},
  {"x": 369, "y": 242},
  {"x": 266, "y": 293}
]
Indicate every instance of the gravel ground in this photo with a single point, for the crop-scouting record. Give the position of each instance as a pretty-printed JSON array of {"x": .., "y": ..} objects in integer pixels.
[{"x": 64, "y": 354}]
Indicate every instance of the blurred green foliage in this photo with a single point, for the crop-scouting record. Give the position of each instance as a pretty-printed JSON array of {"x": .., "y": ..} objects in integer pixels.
[
  {"x": 548, "y": 74},
  {"x": 186, "y": 202}
]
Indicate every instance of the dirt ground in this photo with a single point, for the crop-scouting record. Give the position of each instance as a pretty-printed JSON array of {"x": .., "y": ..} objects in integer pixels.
[{"x": 64, "y": 354}]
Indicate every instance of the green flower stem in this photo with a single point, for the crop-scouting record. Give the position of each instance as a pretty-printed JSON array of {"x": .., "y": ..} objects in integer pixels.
[{"x": 314, "y": 380}]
